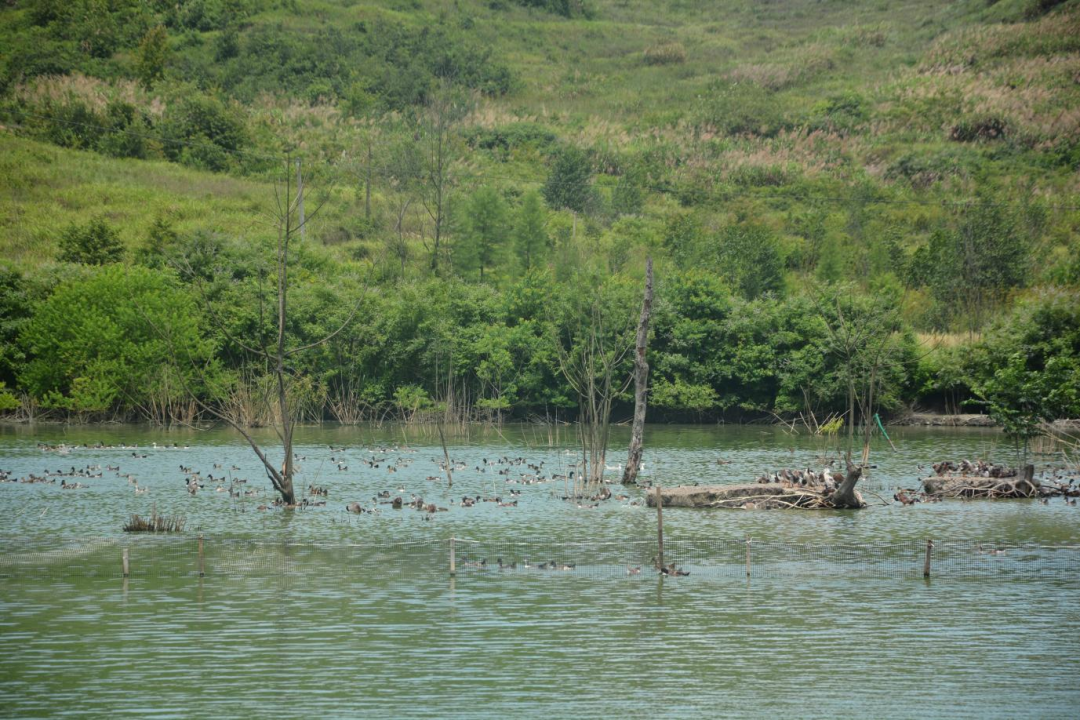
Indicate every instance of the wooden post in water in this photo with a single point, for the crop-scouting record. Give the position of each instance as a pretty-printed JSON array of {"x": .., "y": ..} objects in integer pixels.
[
  {"x": 446, "y": 456},
  {"x": 453, "y": 559},
  {"x": 202, "y": 567},
  {"x": 748, "y": 540},
  {"x": 659, "y": 530},
  {"x": 926, "y": 565},
  {"x": 126, "y": 560}
]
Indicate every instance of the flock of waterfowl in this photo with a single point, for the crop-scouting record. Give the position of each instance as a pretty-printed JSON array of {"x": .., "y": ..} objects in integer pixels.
[
  {"x": 507, "y": 472},
  {"x": 671, "y": 569}
]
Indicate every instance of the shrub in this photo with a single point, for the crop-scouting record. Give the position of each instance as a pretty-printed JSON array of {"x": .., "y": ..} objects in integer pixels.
[
  {"x": 203, "y": 131},
  {"x": 742, "y": 109},
  {"x": 672, "y": 53},
  {"x": 503, "y": 140},
  {"x": 93, "y": 244},
  {"x": 566, "y": 8},
  {"x": 923, "y": 169},
  {"x": 980, "y": 129}
]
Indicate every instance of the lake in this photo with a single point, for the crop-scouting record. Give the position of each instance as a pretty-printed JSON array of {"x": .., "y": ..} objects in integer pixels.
[{"x": 320, "y": 612}]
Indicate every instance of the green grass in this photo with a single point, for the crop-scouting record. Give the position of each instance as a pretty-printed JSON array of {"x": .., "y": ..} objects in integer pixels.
[
  {"x": 919, "y": 72},
  {"x": 48, "y": 188}
]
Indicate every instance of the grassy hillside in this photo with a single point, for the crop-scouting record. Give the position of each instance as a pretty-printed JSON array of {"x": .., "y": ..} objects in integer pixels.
[{"x": 922, "y": 155}]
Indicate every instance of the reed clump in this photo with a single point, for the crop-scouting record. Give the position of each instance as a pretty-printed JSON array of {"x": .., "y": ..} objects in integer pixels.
[{"x": 155, "y": 523}]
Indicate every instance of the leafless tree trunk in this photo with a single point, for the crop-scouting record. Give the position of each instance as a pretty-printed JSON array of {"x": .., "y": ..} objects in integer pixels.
[
  {"x": 285, "y": 218},
  {"x": 641, "y": 381},
  {"x": 845, "y": 495},
  {"x": 590, "y": 365}
]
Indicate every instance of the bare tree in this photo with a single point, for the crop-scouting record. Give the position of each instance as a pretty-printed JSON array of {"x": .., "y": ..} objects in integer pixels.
[
  {"x": 641, "y": 381},
  {"x": 362, "y": 163},
  {"x": 275, "y": 352},
  {"x": 404, "y": 172},
  {"x": 592, "y": 358},
  {"x": 436, "y": 132}
]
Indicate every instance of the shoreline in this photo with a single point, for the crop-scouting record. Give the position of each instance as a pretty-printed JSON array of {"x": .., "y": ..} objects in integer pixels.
[
  {"x": 908, "y": 419},
  {"x": 941, "y": 420}
]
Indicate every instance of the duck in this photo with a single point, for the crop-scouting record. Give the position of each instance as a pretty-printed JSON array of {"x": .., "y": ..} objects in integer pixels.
[
  {"x": 674, "y": 571},
  {"x": 633, "y": 570}
]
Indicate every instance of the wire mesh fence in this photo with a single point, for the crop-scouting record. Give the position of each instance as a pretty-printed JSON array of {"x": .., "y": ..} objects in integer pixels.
[{"x": 186, "y": 556}]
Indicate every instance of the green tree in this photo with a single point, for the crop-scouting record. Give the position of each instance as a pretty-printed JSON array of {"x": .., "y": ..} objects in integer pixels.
[
  {"x": 683, "y": 237},
  {"x": 748, "y": 256},
  {"x": 15, "y": 310},
  {"x": 96, "y": 243},
  {"x": 483, "y": 231},
  {"x": 151, "y": 56},
  {"x": 975, "y": 262},
  {"x": 569, "y": 184},
  {"x": 531, "y": 240},
  {"x": 92, "y": 350},
  {"x": 628, "y": 198},
  {"x": 1026, "y": 369},
  {"x": 161, "y": 239}
]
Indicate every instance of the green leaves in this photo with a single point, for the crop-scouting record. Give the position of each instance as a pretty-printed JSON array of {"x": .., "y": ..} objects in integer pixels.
[
  {"x": 1026, "y": 370},
  {"x": 484, "y": 230},
  {"x": 569, "y": 184},
  {"x": 93, "y": 346},
  {"x": 531, "y": 239}
]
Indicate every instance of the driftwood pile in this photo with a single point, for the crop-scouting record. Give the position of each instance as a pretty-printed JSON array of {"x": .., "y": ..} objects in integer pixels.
[
  {"x": 981, "y": 480},
  {"x": 786, "y": 494}
]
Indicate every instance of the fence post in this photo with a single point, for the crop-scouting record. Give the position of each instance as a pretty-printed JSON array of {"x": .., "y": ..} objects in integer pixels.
[
  {"x": 202, "y": 567},
  {"x": 126, "y": 560},
  {"x": 659, "y": 530},
  {"x": 748, "y": 541},
  {"x": 926, "y": 565},
  {"x": 453, "y": 559}
]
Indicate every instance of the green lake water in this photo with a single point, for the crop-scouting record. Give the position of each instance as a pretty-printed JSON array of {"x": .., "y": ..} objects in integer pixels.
[{"x": 322, "y": 613}]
